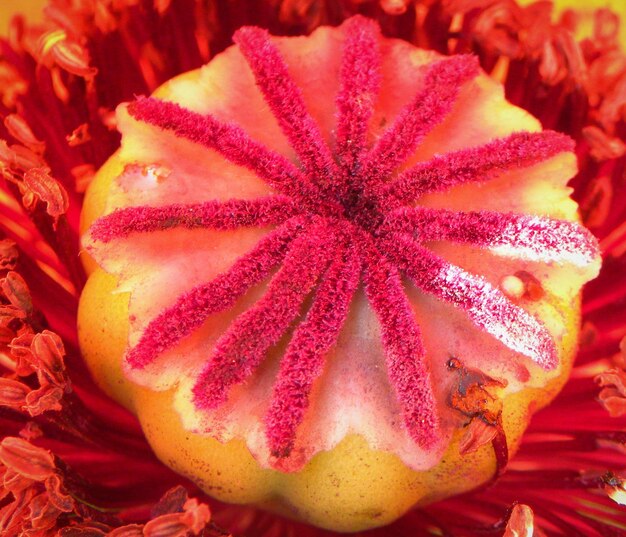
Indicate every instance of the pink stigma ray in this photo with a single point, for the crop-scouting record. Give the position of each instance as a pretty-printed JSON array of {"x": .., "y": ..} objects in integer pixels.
[
  {"x": 304, "y": 359},
  {"x": 519, "y": 150},
  {"x": 528, "y": 237},
  {"x": 339, "y": 219},
  {"x": 192, "y": 308},
  {"x": 285, "y": 100},
  {"x": 230, "y": 214},
  {"x": 360, "y": 83},
  {"x": 441, "y": 88},
  {"x": 404, "y": 351},
  {"x": 232, "y": 143},
  {"x": 244, "y": 345},
  {"x": 485, "y": 305}
]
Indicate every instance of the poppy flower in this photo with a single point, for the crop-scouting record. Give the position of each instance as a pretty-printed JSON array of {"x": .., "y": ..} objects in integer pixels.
[{"x": 74, "y": 462}]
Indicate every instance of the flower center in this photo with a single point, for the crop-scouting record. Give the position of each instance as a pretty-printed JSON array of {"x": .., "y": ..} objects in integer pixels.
[
  {"x": 341, "y": 219},
  {"x": 362, "y": 210}
]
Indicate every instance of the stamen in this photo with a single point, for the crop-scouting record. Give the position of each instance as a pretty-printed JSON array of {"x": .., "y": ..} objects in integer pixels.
[
  {"x": 512, "y": 235},
  {"x": 360, "y": 83},
  {"x": 233, "y": 144},
  {"x": 231, "y": 214},
  {"x": 481, "y": 163},
  {"x": 304, "y": 359},
  {"x": 404, "y": 352},
  {"x": 192, "y": 308},
  {"x": 440, "y": 90},
  {"x": 286, "y": 102},
  {"x": 246, "y": 342},
  {"x": 485, "y": 305}
]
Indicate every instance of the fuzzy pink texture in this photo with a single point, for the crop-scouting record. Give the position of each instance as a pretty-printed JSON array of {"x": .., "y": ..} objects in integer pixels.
[
  {"x": 234, "y": 145},
  {"x": 404, "y": 351},
  {"x": 231, "y": 214},
  {"x": 482, "y": 163},
  {"x": 192, "y": 308},
  {"x": 304, "y": 359},
  {"x": 485, "y": 305},
  {"x": 343, "y": 220},
  {"x": 246, "y": 342},
  {"x": 440, "y": 89},
  {"x": 287, "y": 104},
  {"x": 543, "y": 239},
  {"x": 360, "y": 83}
]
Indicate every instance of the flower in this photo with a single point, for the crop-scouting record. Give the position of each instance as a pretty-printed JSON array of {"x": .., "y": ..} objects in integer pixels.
[{"x": 60, "y": 84}]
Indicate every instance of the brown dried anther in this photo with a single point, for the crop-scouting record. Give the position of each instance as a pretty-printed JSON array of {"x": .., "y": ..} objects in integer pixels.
[
  {"x": 471, "y": 394},
  {"x": 602, "y": 146},
  {"x": 16, "y": 159},
  {"x": 562, "y": 61},
  {"x": 477, "y": 434},
  {"x": 8, "y": 255},
  {"x": 175, "y": 515},
  {"x": 613, "y": 393},
  {"x": 28, "y": 171},
  {"x": 498, "y": 28},
  {"x": 42, "y": 354},
  {"x": 26, "y": 460},
  {"x": 613, "y": 384},
  {"x": 193, "y": 518},
  {"x": 16, "y": 308},
  {"x": 57, "y": 48},
  {"x": 15, "y": 290},
  {"x": 13, "y": 393},
  {"x": 79, "y": 136}
]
